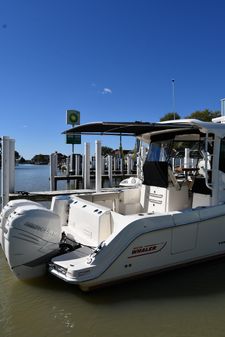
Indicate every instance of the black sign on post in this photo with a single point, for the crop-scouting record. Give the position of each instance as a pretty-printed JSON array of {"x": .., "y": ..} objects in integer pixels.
[
  {"x": 73, "y": 139},
  {"x": 73, "y": 118}
]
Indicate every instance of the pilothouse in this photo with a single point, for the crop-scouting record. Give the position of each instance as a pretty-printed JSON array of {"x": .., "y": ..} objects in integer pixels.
[{"x": 174, "y": 217}]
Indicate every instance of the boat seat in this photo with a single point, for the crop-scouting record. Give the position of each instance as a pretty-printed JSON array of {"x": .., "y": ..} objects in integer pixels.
[
  {"x": 89, "y": 223},
  {"x": 129, "y": 201}
]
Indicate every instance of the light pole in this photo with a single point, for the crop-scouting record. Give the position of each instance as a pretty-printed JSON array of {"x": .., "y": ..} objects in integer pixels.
[
  {"x": 223, "y": 107},
  {"x": 173, "y": 97}
]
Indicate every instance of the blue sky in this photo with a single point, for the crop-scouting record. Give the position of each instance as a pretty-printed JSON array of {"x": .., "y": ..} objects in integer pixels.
[{"x": 112, "y": 60}]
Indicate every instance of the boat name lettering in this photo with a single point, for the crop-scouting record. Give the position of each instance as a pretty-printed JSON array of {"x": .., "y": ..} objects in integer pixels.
[
  {"x": 148, "y": 249},
  {"x": 144, "y": 249},
  {"x": 221, "y": 242}
]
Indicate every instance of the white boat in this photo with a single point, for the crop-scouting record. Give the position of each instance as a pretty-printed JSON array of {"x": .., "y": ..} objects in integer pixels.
[{"x": 174, "y": 218}]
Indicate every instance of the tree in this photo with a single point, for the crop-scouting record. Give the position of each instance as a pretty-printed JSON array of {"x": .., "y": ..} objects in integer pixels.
[
  {"x": 40, "y": 159},
  {"x": 204, "y": 115},
  {"x": 106, "y": 150},
  {"x": 22, "y": 160},
  {"x": 17, "y": 155},
  {"x": 170, "y": 116}
]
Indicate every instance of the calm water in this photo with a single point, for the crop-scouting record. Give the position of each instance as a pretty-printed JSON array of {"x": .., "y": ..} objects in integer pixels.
[{"x": 184, "y": 303}]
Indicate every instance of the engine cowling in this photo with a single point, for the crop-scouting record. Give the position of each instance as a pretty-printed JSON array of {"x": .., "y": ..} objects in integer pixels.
[
  {"x": 7, "y": 210},
  {"x": 31, "y": 238}
]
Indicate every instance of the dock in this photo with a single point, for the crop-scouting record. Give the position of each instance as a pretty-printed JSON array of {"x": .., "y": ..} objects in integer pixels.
[
  {"x": 48, "y": 195},
  {"x": 117, "y": 177},
  {"x": 85, "y": 173}
]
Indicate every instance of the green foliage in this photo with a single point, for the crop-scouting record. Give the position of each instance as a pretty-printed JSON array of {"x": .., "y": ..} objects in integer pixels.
[
  {"x": 106, "y": 150},
  {"x": 40, "y": 159},
  {"x": 204, "y": 115},
  {"x": 17, "y": 155},
  {"x": 22, "y": 160},
  {"x": 170, "y": 116}
]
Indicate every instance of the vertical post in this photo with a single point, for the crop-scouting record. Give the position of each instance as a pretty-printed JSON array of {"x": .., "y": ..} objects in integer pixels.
[
  {"x": 72, "y": 163},
  {"x": 110, "y": 170},
  {"x": 121, "y": 166},
  {"x": 98, "y": 166},
  {"x": 173, "y": 164},
  {"x": 53, "y": 170},
  {"x": 216, "y": 182},
  {"x": 103, "y": 165},
  {"x": 5, "y": 171},
  {"x": 128, "y": 164},
  {"x": 86, "y": 165},
  {"x": 114, "y": 163},
  {"x": 222, "y": 107},
  {"x": 11, "y": 165},
  {"x": 68, "y": 172},
  {"x": 173, "y": 98},
  {"x": 77, "y": 164},
  {"x": 186, "y": 157},
  {"x": 67, "y": 166},
  {"x": 138, "y": 167},
  {"x": 131, "y": 163}
]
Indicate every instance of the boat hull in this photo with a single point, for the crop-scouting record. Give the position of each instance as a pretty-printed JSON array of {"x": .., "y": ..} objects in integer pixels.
[{"x": 151, "y": 244}]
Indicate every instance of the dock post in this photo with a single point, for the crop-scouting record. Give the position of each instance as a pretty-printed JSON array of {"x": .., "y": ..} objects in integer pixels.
[
  {"x": 86, "y": 165},
  {"x": 103, "y": 165},
  {"x": 186, "y": 157},
  {"x": 53, "y": 171},
  {"x": 78, "y": 167},
  {"x": 11, "y": 165},
  {"x": 129, "y": 164},
  {"x": 114, "y": 163},
  {"x": 98, "y": 166},
  {"x": 121, "y": 165},
  {"x": 5, "y": 171},
  {"x": 138, "y": 167},
  {"x": 110, "y": 170},
  {"x": 68, "y": 172}
]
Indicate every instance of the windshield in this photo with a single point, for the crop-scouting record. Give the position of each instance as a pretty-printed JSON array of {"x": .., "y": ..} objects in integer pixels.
[
  {"x": 159, "y": 151},
  {"x": 174, "y": 152}
]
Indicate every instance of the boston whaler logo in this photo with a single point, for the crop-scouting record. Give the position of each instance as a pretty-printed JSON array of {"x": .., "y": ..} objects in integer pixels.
[{"x": 146, "y": 250}]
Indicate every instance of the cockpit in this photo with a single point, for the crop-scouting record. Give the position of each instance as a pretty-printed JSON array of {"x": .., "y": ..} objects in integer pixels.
[{"x": 179, "y": 163}]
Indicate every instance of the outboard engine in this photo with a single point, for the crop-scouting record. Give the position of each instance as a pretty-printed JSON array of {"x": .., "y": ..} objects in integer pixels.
[
  {"x": 7, "y": 210},
  {"x": 31, "y": 238}
]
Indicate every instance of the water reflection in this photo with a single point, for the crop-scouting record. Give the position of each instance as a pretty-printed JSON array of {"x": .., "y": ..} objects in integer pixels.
[
  {"x": 156, "y": 306},
  {"x": 197, "y": 280},
  {"x": 185, "y": 302}
]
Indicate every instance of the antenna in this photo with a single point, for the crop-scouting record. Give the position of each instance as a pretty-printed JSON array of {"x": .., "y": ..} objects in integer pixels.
[{"x": 173, "y": 97}]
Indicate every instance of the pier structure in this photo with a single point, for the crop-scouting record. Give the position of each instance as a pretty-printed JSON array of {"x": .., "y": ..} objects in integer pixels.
[
  {"x": 86, "y": 171},
  {"x": 99, "y": 168},
  {"x": 7, "y": 169}
]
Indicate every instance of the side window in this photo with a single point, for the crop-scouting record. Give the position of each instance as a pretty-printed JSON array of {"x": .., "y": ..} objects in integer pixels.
[{"x": 222, "y": 156}]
